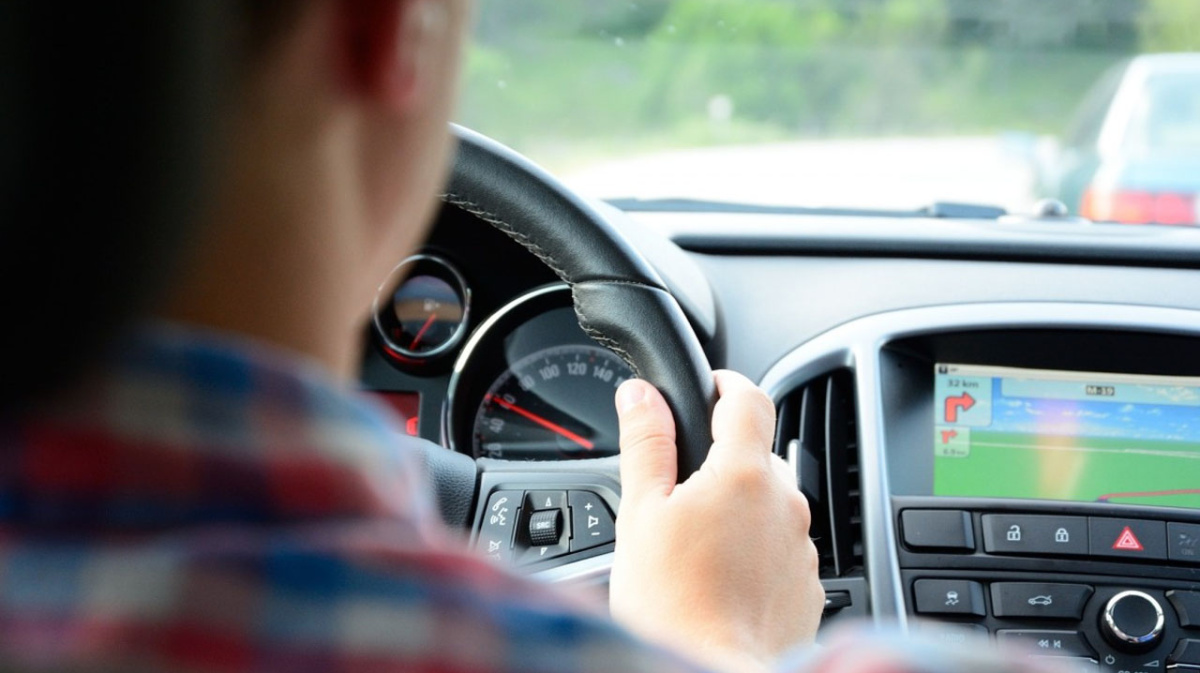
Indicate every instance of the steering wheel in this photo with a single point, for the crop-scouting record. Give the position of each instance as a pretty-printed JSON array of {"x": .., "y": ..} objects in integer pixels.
[{"x": 619, "y": 299}]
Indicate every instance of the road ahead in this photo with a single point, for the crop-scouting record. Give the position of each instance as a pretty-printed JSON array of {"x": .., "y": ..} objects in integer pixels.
[{"x": 895, "y": 173}]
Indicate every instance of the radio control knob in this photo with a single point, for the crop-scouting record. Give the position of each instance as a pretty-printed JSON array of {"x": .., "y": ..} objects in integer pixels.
[{"x": 1132, "y": 621}]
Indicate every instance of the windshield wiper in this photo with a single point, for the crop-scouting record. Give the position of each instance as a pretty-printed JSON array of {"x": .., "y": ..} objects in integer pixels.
[{"x": 937, "y": 209}]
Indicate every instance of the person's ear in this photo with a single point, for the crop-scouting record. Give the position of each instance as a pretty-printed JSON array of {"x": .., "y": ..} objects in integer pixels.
[{"x": 391, "y": 48}]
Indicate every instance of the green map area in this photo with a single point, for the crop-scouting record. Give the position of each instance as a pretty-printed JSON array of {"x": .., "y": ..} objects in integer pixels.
[{"x": 1088, "y": 469}]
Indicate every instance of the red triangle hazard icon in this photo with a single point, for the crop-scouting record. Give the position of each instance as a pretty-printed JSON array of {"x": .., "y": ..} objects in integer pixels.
[{"x": 1127, "y": 541}]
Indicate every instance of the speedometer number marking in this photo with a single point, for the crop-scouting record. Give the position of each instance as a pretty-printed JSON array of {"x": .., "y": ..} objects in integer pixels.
[{"x": 555, "y": 403}]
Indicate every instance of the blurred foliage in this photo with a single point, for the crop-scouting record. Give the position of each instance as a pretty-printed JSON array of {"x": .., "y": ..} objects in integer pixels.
[
  {"x": 1167, "y": 25},
  {"x": 568, "y": 79}
]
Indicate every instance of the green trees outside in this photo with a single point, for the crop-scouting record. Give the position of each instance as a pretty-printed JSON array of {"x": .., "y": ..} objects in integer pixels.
[{"x": 583, "y": 77}]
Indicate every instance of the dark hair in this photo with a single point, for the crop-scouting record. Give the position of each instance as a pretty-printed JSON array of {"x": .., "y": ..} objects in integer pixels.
[{"x": 108, "y": 117}]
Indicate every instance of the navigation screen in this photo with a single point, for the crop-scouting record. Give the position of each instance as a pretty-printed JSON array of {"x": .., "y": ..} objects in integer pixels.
[{"x": 1083, "y": 436}]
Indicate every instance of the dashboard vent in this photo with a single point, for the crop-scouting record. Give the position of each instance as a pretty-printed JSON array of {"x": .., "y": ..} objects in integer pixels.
[{"x": 818, "y": 425}]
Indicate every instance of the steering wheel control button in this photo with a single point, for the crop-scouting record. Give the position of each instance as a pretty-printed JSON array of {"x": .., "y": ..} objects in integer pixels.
[
  {"x": 528, "y": 555},
  {"x": 1047, "y": 643},
  {"x": 592, "y": 524},
  {"x": 1183, "y": 542},
  {"x": 1132, "y": 621},
  {"x": 1036, "y": 535},
  {"x": 539, "y": 500},
  {"x": 496, "y": 531},
  {"x": 1039, "y": 600},
  {"x": 1187, "y": 607},
  {"x": 545, "y": 528},
  {"x": 940, "y": 529},
  {"x": 949, "y": 597},
  {"x": 1128, "y": 538}
]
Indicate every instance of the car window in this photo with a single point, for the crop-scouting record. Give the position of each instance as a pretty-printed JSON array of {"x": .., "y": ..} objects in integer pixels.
[{"x": 1167, "y": 117}]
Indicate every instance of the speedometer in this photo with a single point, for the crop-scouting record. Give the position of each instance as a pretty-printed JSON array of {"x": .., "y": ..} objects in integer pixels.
[{"x": 555, "y": 403}]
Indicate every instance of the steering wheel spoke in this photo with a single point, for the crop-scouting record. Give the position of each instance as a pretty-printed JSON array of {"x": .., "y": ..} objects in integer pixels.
[{"x": 548, "y": 518}]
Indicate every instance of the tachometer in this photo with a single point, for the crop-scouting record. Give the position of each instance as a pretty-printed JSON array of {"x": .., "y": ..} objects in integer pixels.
[{"x": 555, "y": 403}]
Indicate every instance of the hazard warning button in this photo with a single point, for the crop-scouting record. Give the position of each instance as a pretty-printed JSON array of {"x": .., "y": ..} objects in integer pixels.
[{"x": 1128, "y": 538}]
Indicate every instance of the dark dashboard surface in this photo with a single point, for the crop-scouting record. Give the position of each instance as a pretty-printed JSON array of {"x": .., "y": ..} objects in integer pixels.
[{"x": 796, "y": 305}]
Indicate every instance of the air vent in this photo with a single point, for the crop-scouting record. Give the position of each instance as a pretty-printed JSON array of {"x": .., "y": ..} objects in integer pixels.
[{"x": 818, "y": 426}]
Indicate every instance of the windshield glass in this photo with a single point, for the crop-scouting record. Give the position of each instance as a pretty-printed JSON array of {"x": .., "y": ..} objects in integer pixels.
[{"x": 863, "y": 104}]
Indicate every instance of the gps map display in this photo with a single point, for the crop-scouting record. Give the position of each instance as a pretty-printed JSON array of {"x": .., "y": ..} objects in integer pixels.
[{"x": 1058, "y": 435}]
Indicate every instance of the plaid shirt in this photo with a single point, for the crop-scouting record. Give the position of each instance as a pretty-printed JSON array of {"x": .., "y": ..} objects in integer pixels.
[{"x": 210, "y": 505}]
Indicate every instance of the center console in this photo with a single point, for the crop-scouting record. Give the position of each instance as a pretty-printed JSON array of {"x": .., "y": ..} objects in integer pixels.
[{"x": 1044, "y": 490}]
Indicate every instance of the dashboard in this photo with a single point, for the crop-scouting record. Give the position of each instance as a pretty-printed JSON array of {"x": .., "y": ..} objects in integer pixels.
[{"x": 997, "y": 424}]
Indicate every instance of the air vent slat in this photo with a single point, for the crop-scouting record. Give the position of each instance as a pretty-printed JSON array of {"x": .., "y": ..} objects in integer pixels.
[{"x": 818, "y": 427}]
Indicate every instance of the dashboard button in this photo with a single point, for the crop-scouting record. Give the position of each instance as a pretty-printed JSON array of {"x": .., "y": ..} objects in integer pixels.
[
  {"x": 1073, "y": 664},
  {"x": 954, "y": 633},
  {"x": 1187, "y": 652},
  {"x": 948, "y": 597},
  {"x": 1039, "y": 600},
  {"x": 1187, "y": 607},
  {"x": 938, "y": 529},
  {"x": 1051, "y": 643},
  {"x": 1035, "y": 534},
  {"x": 1128, "y": 538},
  {"x": 499, "y": 521},
  {"x": 591, "y": 523},
  {"x": 1183, "y": 542}
]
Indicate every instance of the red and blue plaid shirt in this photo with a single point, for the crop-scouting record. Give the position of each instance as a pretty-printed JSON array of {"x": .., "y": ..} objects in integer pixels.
[{"x": 211, "y": 505}]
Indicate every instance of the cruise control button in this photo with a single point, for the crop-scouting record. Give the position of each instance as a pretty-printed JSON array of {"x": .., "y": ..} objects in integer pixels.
[
  {"x": 1183, "y": 542},
  {"x": 948, "y": 597},
  {"x": 1187, "y": 607},
  {"x": 496, "y": 530},
  {"x": 938, "y": 529},
  {"x": 1051, "y": 643},
  {"x": 1035, "y": 534},
  {"x": 1042, "y": 600},
  {"x": 1128, "y": 538},
  {"x": 591, "y": 523}
]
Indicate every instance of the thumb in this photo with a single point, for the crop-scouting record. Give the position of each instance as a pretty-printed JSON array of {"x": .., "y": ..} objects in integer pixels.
[{"x": 648, "y": 458}]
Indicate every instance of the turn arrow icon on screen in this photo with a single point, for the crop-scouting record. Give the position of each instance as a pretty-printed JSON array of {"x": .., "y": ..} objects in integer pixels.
[{"x": 954, "y": 404}]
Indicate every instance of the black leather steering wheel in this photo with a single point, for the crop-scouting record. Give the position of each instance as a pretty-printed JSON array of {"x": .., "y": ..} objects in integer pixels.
[{"x": 619, "y": 298}]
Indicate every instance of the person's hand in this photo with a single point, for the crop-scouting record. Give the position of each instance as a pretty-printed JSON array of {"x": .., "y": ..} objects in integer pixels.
[{"x": 720, "y": 567}]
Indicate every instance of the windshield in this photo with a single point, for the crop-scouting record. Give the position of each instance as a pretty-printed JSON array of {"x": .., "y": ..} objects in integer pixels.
[{"x": 863, "y": 104}]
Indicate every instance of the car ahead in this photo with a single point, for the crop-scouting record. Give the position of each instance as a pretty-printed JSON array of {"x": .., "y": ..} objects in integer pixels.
[{"x": 1132, "y": 155}]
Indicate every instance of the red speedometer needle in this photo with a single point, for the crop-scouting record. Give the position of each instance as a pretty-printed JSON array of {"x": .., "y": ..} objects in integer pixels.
[
  {"x": 549, "y": 425},
  {"x": 421, "y": 332}
]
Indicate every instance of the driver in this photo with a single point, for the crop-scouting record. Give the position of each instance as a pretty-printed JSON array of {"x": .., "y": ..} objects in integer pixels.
[{"x": 210, "y": 494}]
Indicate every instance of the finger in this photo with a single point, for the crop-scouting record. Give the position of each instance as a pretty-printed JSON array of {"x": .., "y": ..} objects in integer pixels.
[
  {"x": 743, "y": 417},
  {"x": 648, "y": 455}
]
